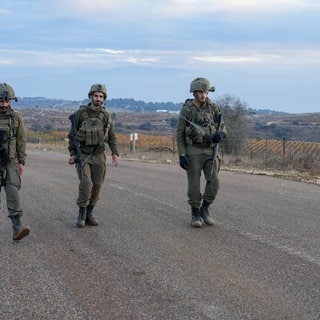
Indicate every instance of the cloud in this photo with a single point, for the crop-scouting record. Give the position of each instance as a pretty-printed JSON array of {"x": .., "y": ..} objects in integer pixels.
[
  {"x": 143, "y": 11},
  {"x": 109, "y": 58},
  {"x": 241, "y": 44},
  {"x": 156, "y": 9},
  {"x": 228, "y": 59}
]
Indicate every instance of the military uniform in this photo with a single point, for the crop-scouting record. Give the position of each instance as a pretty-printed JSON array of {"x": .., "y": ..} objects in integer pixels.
[
  {"x": 198, "y": 153},
  {"x": 94, "y": 128},
  {"x": 13, "y": 153}
]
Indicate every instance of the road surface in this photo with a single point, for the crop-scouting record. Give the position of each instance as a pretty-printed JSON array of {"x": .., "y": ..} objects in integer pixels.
[{"x": 261, "y": 261}]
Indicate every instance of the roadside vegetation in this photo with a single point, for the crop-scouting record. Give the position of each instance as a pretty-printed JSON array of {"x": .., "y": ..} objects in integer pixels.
[{"x": 249, "y": 145}]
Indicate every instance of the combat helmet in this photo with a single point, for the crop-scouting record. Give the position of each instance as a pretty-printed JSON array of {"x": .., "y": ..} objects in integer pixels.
[
  {"x": 97, "y": 87},
  {"x": 201, "y": 84},
  {"x": 7, "y": 92}
]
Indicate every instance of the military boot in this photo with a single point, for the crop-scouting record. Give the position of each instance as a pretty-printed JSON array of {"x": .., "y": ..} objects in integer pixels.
[
  {"x": 19, "y": 231},
  {"x": 91, "y": 220},
  {"x": 81, "y": 217},
  {"x": 195, "y": 218},
  {"x": 204, "y": 213}
]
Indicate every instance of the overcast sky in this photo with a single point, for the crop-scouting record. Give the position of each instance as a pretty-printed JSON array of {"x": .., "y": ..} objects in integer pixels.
[{"x": 264, "y": 52}]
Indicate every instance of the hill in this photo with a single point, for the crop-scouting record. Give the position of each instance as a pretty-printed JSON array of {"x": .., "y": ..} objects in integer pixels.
[
  {"x": 298, "y": 127},
  {"x": 149, "y": 117},
  {"x": 116, "y": 104}
]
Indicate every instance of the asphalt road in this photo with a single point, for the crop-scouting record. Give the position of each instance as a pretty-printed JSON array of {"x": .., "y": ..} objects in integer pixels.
[{"x": 260, "y": 261}]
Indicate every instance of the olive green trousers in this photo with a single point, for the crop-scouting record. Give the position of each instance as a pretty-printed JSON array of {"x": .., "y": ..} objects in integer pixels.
[
  {"x": 94, "y": 171},
  {"x": 199, "y": 163},
  {"x": 12, "y": 187}
]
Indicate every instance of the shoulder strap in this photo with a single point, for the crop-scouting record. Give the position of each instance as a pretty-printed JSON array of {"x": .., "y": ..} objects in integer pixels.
[
  {"x": 102, "y": 114},
  {"x": 83, "y": 112},
  {"x": 212, "y": 105},
  {"x": 105, "y": 117},
  {"x": 85, "y": 115},
  {"x": 9, "y": 122}
]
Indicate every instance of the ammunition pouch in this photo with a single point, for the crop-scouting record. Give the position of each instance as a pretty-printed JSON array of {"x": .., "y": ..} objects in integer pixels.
[
  {"x": 203, "y": 118},
  {"x": 92, "y": 131},
  {"x": 4, "y": 155},
  {"x": 4, "y": 147},
  {"x": 193, "y": 136}
]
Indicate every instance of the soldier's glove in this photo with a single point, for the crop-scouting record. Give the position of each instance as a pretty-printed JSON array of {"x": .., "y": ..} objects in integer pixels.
[
  {"x": 207, "y": 138},
  {"x": 217, "y": 137},
  {"x": 184, "y": 162}
]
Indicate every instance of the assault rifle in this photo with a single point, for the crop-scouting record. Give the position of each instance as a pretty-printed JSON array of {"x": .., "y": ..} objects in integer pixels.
[
  {"x": 76, "y": 145},
  {"x": 215, "y": 148},
  {"x": 201, "y": 131},
  {"x": 196, "y": 126},
  {"x": 4, "y": 159}
]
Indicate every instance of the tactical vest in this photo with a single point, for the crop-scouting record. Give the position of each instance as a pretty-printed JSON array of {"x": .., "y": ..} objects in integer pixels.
[
  {"x": 7, "y": 140},
  {"x": 206, "y": 118},
  {"x": 93, "y": 130}
]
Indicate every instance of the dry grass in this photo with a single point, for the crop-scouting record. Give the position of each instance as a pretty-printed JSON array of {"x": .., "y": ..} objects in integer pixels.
[{"x": 300, "y": 161}]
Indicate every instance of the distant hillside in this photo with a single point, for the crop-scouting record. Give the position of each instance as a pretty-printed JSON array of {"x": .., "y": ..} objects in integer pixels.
[
  {"x": 123, "y": 104},
  {"x": 45, "y": 103},
  {"x": 264, "y": 112},
  {"x": 298, "y": 127},
  {"x": 42, "y": 115}
]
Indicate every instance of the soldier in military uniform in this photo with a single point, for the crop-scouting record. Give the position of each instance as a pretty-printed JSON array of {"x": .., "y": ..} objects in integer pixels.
[
  {"x": 196, "y": 136},
  {"x": 91, "y": 129},
  {"x": 12, "y": 158}
]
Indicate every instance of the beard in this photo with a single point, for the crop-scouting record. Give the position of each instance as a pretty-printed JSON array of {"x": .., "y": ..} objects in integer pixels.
[
  {"x": 3, "y": 109},
  {"x": 201, "y": 100},
  {"x": 97, "y": 104}
]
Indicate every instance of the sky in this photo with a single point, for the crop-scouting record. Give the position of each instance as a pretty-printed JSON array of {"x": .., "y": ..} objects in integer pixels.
[{"x": 264, "y": 52}]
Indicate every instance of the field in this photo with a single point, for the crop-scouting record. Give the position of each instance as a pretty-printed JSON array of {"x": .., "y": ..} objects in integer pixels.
[
  {"x": 296, "y": 159},
  {"x": 48, "y": 129}
]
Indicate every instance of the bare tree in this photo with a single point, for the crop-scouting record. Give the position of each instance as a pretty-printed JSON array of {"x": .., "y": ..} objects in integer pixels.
[{"x": 234, "y": 114}]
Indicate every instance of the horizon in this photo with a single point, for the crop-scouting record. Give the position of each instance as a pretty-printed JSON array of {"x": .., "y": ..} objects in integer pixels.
[{"x": 15, "y": 104}]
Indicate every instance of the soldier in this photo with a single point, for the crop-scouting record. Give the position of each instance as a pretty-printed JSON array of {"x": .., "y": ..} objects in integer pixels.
[
  {"x": 196, "y": 136},
  {"x": 90, "y": 130},
  {"x": 12, "y": 158}
]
